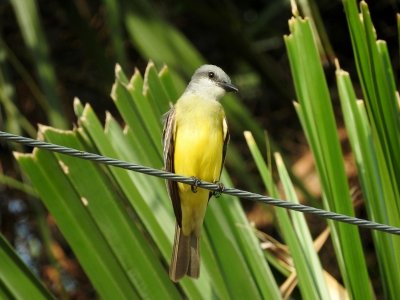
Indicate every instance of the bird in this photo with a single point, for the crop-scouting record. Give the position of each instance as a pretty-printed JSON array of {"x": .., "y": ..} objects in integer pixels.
[{"x": 195, "y": 139}]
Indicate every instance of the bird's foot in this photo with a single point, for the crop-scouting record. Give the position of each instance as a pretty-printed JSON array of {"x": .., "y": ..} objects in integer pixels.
[
  {"x": 218, "y": 192},
  {"x": 196, "y": 182}
]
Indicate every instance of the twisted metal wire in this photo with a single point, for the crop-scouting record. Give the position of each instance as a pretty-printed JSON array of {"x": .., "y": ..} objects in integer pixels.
[{"x": 206, "y": 185}]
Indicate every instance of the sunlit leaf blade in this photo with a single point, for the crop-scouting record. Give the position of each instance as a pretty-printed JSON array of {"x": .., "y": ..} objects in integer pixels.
[
  {"x": 227, "y": 213},
  {"x": 296, "y": 235},
  {"x": 169, "y": 85},
  {"x": 380, "y": 196},
  {"x": 233, "y": 265},
  {"x": 105, "y": 206},
  {"x": 382, "y": 107},
  {"x": 77, "y": 225},
  {"x": 153, "y": 88},
  {"x": 375, "y": 139},
  {"x": 373, "y": 65},
  {"x": 316, "y": 282},
  {"x": 316, "y": 115},
  {"x": 148, "y": 151}
]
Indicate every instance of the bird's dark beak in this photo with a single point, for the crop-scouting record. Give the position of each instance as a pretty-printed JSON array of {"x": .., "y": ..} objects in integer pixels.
[{"x": 229, "y": 87}]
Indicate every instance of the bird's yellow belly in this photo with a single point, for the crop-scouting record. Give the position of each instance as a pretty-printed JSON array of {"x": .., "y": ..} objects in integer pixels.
[{"x": 198, "y": 153}]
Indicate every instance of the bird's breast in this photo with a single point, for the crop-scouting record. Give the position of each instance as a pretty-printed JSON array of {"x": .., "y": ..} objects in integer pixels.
[{"x": 199, "y": 140}]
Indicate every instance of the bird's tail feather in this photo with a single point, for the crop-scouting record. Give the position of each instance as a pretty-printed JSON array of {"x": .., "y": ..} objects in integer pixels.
[
  {"x": 194, "y": 264},
  {"x": 185, "y": 256}
]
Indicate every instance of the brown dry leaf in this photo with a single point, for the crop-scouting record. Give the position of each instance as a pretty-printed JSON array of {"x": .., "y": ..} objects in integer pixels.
[
  {"x": 288, "y": 286},
  {"x": 280, "y": 251},
  {"x": 276, "y": 249},
  {"x": 321, "y": 239},
  {"x": 336, "y": 290}
]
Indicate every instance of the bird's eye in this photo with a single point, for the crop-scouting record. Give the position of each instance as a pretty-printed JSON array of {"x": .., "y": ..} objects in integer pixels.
[{"x": 211, "y": 75}]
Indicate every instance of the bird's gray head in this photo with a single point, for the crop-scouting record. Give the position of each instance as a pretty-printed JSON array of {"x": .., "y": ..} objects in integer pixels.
[{"x": 210, "y": 82}]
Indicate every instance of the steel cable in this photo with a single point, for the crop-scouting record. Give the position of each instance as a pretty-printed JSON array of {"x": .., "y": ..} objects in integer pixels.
[{"x": 206, "y": 185}]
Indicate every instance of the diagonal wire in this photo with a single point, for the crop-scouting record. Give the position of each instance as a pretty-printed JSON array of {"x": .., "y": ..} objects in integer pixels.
[{"x": 192, "y": 181}]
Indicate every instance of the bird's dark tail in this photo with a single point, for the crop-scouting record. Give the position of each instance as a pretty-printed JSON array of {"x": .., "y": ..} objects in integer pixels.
[{"x": 185, "y": 256}]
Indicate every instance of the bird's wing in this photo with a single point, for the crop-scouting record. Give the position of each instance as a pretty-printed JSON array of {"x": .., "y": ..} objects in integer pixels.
[
  {"x": 226, "y": 141},
  {"x": 224, "y": 148},
  {"x": 169, "y": 150}
]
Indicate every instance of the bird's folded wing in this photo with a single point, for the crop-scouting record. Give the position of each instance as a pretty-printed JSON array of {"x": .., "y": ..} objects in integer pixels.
[{"x": 169, "y": 148}]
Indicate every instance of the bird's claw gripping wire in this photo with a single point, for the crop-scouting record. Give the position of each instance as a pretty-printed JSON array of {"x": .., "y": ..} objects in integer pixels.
[
  {"x": 220, "y": 190},
  {"x": 196, "y": 182}
]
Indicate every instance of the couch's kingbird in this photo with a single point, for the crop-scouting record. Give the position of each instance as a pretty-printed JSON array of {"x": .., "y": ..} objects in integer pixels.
[{"x": 195, "y": 139}]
